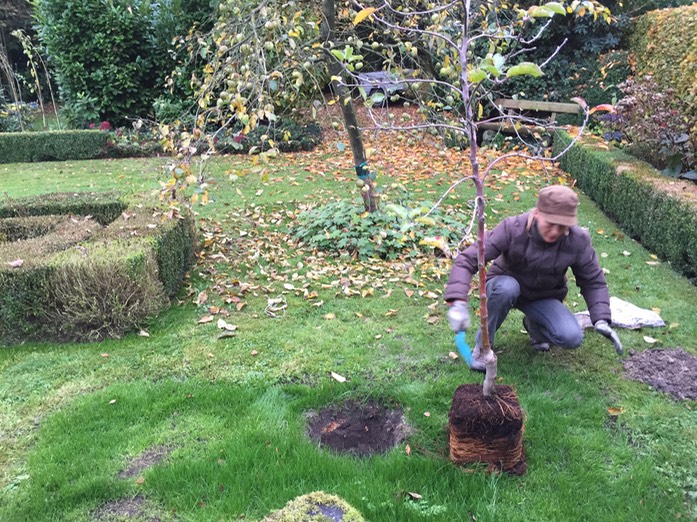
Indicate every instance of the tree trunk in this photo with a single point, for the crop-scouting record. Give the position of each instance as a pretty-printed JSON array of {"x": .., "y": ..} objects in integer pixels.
[{"x": 347, "y": 110}]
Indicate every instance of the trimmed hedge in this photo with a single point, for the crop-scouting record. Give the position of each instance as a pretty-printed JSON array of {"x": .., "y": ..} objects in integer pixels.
[
  {"x": 104, "y": 207},
  {"x": 24, "y": 147},
  {"x": 665, "y": 46},
  {"x": 655, "y": 210},
  {"x": 104, "y": 271}
]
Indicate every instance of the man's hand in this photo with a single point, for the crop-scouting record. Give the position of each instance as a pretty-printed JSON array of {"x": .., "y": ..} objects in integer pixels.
[
  {"x": 458, "y": 316},
  {"x": 605, "y": 330}
]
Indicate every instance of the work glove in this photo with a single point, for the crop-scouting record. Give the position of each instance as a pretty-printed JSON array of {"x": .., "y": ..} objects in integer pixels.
[
  {"x": 605, "y": 330},
  {"x": 459, "y": 316}
]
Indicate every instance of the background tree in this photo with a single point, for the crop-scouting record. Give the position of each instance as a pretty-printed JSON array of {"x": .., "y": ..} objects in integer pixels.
[
  {"x": 264, "y": 61},
  {"x": 110, "y": 58}
]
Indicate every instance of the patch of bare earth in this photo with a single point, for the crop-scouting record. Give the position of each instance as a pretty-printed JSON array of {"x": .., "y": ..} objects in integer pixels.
[
  {"x": 145, "y": 460},
  {"x": 124, "y": 508},
  {"x": 669, "y": 370},
  {"x": 357, "y": 428}
]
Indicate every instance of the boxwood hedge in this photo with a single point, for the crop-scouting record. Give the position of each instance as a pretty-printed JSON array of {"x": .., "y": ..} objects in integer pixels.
[
  {"x": 659, "y": 212},
  {"x": 88, "y": 266}
]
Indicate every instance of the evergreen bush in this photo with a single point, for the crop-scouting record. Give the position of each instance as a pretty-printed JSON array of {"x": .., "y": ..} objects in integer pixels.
[
  {"x": 658, "y": 212},
  {"x": 20, "y": 147}
]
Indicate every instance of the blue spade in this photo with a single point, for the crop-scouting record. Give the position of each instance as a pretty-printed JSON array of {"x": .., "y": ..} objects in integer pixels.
[{"x": 463, "y": 347}]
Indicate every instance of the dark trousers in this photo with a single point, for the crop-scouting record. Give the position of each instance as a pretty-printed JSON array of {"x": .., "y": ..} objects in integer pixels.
[{"x": 548, "y": 319}]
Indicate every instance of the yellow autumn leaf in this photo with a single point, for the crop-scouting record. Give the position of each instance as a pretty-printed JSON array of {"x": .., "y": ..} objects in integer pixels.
[
  {"x": 363, "y": 14},
  {"x": 615, "y": 411}
]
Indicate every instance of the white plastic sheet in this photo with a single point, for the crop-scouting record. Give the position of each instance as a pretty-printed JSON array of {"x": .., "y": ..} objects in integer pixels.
[{"x": 625, "y": 315}]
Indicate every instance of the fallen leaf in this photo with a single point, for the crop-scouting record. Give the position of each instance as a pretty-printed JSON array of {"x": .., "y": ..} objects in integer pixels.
[
  {"x": 407, "y": 449},
  {"x": 330, "y": 316},
  {"x": 653, "y": 263},
  {"x": 330, "y": 427},
  {"x": 143, "y": 333},
  {"x": 289, "y": 286},
  {"x": 427, "y": 414},
  {"x": 337, "y": 377},
  {"x": 226, "y": 334},
  {"x": 453, "y": 356},
  {"x": 650, "y": 340},
  {"x": 603, "y": 254},
  {"x": 205, "y": 319},
  {"x": 112, "y": 401},
  {"x": 253, "y": 353},
  {"x": 224, "y": 325},
  {"x": 615, "y": 411},
  {"x": 414, "y": 496},
  {"x": 105, "y": 355},
  {"x": 201, "y": 298},
  {"x": 16, "y": 263},
  {"x": 673, "y": 325},
  {"x": 408, "y": 292},
  {"x": 378, "y": 336},
  {"x": 140, "y": 480},
  {"x": 211, "y": 356},
  {"x": 625, "y": 253},
  {"x": 391, "y": 312},
  {"x": 240, "y": 306}
]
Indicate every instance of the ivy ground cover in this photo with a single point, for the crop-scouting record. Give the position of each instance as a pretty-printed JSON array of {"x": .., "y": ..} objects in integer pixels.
[{"x": 220, "y": 386}]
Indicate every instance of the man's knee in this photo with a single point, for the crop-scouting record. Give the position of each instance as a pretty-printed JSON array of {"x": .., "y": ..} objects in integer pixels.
[
  {"x": 503, "y": 289},
  {"x": 570, "y": 339}
]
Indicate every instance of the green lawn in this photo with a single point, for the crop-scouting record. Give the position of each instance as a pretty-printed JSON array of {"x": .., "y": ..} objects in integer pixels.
[{"x": 232, "y": 412}]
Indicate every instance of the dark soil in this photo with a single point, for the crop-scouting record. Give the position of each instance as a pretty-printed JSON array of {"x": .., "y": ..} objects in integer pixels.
[
  {"x": 129, "y": 508},
  {"x": 487, "y": 429},
  {"x": 672, "y": 371},
  {"x": 356, "y": 428},
  {"x": 145, "y": 460}
]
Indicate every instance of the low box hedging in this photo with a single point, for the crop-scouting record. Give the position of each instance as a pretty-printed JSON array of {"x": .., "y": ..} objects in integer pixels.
[
  {"x": 104, "y": 207},
  {"x": 659, "y": 212},
  {"x": 24, "y": 147},
  {"x": 86, "y": 280}
]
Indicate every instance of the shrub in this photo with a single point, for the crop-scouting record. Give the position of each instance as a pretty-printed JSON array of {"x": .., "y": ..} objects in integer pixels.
[
  {"x": 82, "y": 280},
  {"x": 652, "y": 121},
  {"x": 344, "y": 226},
  {"x": 13, "y": 229},
  {"x": 104, "y": 296},
  {"x": 104, "y": 207},
  {"x": 18, "y": 147},
  {"x": 98, "y": 52},
  {"x": 286, "y": 135},
  {"x": 664, "y": 46},
  {"x": 663, "y": 218}
]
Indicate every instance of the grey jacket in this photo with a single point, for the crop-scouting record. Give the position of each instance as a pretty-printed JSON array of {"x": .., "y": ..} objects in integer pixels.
[{"x": 517, "y": 250}]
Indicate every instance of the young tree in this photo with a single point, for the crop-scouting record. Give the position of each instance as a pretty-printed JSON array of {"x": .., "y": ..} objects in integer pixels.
[{"x": 475, "y": 47}]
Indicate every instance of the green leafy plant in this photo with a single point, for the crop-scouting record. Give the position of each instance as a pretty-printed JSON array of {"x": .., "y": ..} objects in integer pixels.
[{"x": 399, "y": 229}]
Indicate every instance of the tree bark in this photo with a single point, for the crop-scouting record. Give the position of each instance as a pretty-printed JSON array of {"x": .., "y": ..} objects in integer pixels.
[{"x": 348, "y": 111}]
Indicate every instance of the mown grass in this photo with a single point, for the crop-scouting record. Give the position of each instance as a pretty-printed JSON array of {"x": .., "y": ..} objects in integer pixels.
[{"x": 233, "y": 410}]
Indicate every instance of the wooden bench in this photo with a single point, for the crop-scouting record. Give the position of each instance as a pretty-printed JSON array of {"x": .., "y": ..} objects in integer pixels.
[{"x": 531, "y": 108}]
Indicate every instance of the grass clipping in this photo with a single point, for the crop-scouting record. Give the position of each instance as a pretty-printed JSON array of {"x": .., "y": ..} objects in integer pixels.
[{"x": 487, "y": 429}]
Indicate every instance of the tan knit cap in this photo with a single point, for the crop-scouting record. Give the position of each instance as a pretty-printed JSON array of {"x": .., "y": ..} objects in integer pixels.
[{"x": 558, "y": 205}]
